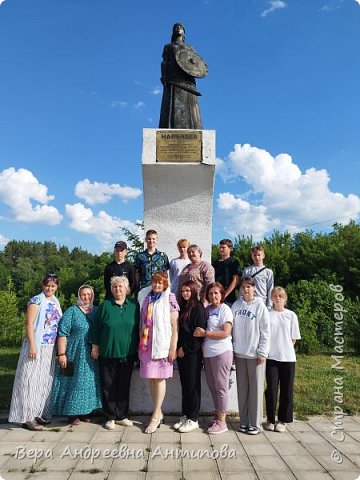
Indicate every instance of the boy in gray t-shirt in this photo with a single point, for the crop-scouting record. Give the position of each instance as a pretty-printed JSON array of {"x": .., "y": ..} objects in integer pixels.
[{"x": 263, "y": 276}]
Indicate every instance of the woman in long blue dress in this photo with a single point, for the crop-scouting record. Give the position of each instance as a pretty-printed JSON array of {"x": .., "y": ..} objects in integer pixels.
[{"x": 79, "y": 394}]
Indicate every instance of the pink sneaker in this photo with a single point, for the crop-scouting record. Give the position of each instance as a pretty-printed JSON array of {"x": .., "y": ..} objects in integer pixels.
[
  {"x": 211, "y": 421},
  {"x": 217, "y": 427}
]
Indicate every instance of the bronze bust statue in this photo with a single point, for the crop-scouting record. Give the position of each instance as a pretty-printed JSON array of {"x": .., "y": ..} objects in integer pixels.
[{"x": 179, "y": 68}]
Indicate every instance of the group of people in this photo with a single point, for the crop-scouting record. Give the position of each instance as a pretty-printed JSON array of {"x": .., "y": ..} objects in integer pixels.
[{"x": 156, "y": 312}]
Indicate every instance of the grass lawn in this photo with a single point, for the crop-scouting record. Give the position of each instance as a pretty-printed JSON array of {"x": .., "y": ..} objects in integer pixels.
[
  {"x": 8, "y": 362},
  {"x": 314, "y": 383}
]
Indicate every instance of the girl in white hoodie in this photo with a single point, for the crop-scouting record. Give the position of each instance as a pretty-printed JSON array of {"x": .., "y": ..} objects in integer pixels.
[{"x": 251, "y": 335}]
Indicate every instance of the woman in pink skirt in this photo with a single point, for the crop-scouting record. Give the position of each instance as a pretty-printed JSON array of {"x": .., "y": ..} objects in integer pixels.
[{"x": 158, "y": 340}]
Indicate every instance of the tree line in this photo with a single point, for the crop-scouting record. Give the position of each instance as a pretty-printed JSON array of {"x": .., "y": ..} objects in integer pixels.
[{"x": 306, "y": 264}]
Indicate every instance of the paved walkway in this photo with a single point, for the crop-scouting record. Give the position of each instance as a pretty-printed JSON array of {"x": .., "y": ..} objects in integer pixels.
[{"x": 309, "y": 450}]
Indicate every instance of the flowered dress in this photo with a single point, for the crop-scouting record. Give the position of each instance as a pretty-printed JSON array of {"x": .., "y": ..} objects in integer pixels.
[
  {"x": 79, "y": 394},
  {"x": 34, "y": 377}
]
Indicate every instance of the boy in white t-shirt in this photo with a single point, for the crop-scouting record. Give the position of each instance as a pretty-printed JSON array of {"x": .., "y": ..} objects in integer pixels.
[
  {"x": 280, "y": 365},
  {"x": 178, "y": 264}
]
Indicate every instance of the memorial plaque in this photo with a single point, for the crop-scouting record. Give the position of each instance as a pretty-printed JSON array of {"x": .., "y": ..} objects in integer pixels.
[{"x": 178, "y": 146}]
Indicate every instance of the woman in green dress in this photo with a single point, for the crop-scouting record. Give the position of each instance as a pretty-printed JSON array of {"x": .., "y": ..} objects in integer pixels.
[{"x": 76, "y": 390}]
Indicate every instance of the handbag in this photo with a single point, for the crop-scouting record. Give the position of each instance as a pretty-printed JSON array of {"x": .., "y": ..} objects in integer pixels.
[{"x": 67, "y": 371}]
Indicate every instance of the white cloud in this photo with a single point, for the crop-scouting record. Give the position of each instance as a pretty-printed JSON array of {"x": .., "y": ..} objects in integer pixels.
[
  {"x": 239, "y": 217},
  {"x": 18, "y": 189},
  {"x": 105, "y": 228},
  {"x": 357, "y": 1},
  {"x": 139, "y": 105},
  {"x": 332, "y": 5},
  {"x": 281, "y": 197},
  {"x": 158, "y": 90},
  {"x": 2, "y": 1},
  {"x": 118, "y": 104},
  {"x": 274, "y": 5},
  {"x": 3, "y": 242},
  {"x": 94, "y": 193}
]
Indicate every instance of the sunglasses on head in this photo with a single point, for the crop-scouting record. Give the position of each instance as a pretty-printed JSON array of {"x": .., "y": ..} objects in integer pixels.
[{"x": 51, "y": 276}]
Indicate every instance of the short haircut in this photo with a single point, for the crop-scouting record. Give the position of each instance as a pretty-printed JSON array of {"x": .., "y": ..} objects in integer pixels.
[
  {"x": 279, "y": 290},
  {"x": 226, "y": 241},
  {"x": 194, "y": 247},
  {"x": 215, "y": 285},
  {"x": 50, "y": 277},
  {"x": 151, "y": 232},
  {"x": 257, "y": 248},
  {"x": 161, "y": 277},
  {"x": 248, "y": 280},
  {"x": 124, "y": 280},
  {"x": 183, "y": 241}
]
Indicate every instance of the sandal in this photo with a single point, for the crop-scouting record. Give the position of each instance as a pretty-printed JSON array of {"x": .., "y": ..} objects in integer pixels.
[
  {"x": 85, "y": 418},
  {"x": 42, "y": 420},
  {"x": 73, "y": 420},
  {"x": 32, "y": 425},
  {"x": 154, "y": 424}
]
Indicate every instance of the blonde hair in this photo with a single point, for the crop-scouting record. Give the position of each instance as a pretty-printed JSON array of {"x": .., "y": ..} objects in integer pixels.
[
  {"x": 257, "y": 248},
  {"x": 183, "y": 241},
  {"x": 117, "y": 280},
  {"x": 194, "y": 247},
  {"x": 281, "y": 291}
]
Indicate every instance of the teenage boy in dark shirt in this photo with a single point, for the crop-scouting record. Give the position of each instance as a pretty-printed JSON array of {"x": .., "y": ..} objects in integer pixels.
[
  {"x": 227, "y": 270},
  {"x": 118, "y": 268}
]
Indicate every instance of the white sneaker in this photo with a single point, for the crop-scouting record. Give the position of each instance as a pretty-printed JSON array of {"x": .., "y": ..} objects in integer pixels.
[
  {"x": 110, "y": 425},
  {"x": 188, "y": 426},
  {"x": 270, "y": 427},
  {"x": 280, "y": 427},
  {"x": 125, "y": 422},
  {"x": 178, "y": 424}
]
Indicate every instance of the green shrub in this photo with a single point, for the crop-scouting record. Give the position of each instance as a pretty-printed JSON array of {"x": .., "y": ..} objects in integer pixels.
[
  {"x": 314, "y": 303},
  {"x": 12, "y": 328}
]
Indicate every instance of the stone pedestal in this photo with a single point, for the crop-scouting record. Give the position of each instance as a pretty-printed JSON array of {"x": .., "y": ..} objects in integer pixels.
[
  {"x": 140, "y": 400},
  {"x": 178, "y": 196}
]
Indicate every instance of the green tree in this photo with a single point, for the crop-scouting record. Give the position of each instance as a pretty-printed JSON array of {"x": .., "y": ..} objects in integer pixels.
[
  {"x": 241, "y": 251},
  {"x": 313, "y": 301},
  {"x": 278, "y": 251},
  {"x": 136, "y": 244},
  {"x": 11, "y": 326}
]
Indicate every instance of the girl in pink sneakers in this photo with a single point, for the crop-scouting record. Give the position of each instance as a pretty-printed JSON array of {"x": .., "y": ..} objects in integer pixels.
[{"x": 217, "y": 353}]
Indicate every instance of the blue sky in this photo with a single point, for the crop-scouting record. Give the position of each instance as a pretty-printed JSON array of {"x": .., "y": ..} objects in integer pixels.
[{"x": 80, "y": 80}]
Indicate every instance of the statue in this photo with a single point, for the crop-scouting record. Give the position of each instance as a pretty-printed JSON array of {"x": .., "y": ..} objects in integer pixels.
[{"x": 180, "y": 65}]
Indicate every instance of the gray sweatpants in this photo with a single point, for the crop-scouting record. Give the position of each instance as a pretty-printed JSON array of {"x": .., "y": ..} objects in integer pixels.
[{"x": 250, "y": 389}]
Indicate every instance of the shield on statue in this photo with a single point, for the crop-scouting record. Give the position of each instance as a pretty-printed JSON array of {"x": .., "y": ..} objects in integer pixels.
[{"x": 189, "y": 61}]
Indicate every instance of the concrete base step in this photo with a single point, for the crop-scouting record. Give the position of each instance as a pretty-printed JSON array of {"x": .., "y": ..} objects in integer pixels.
[{"x": 140, "y": 400}]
